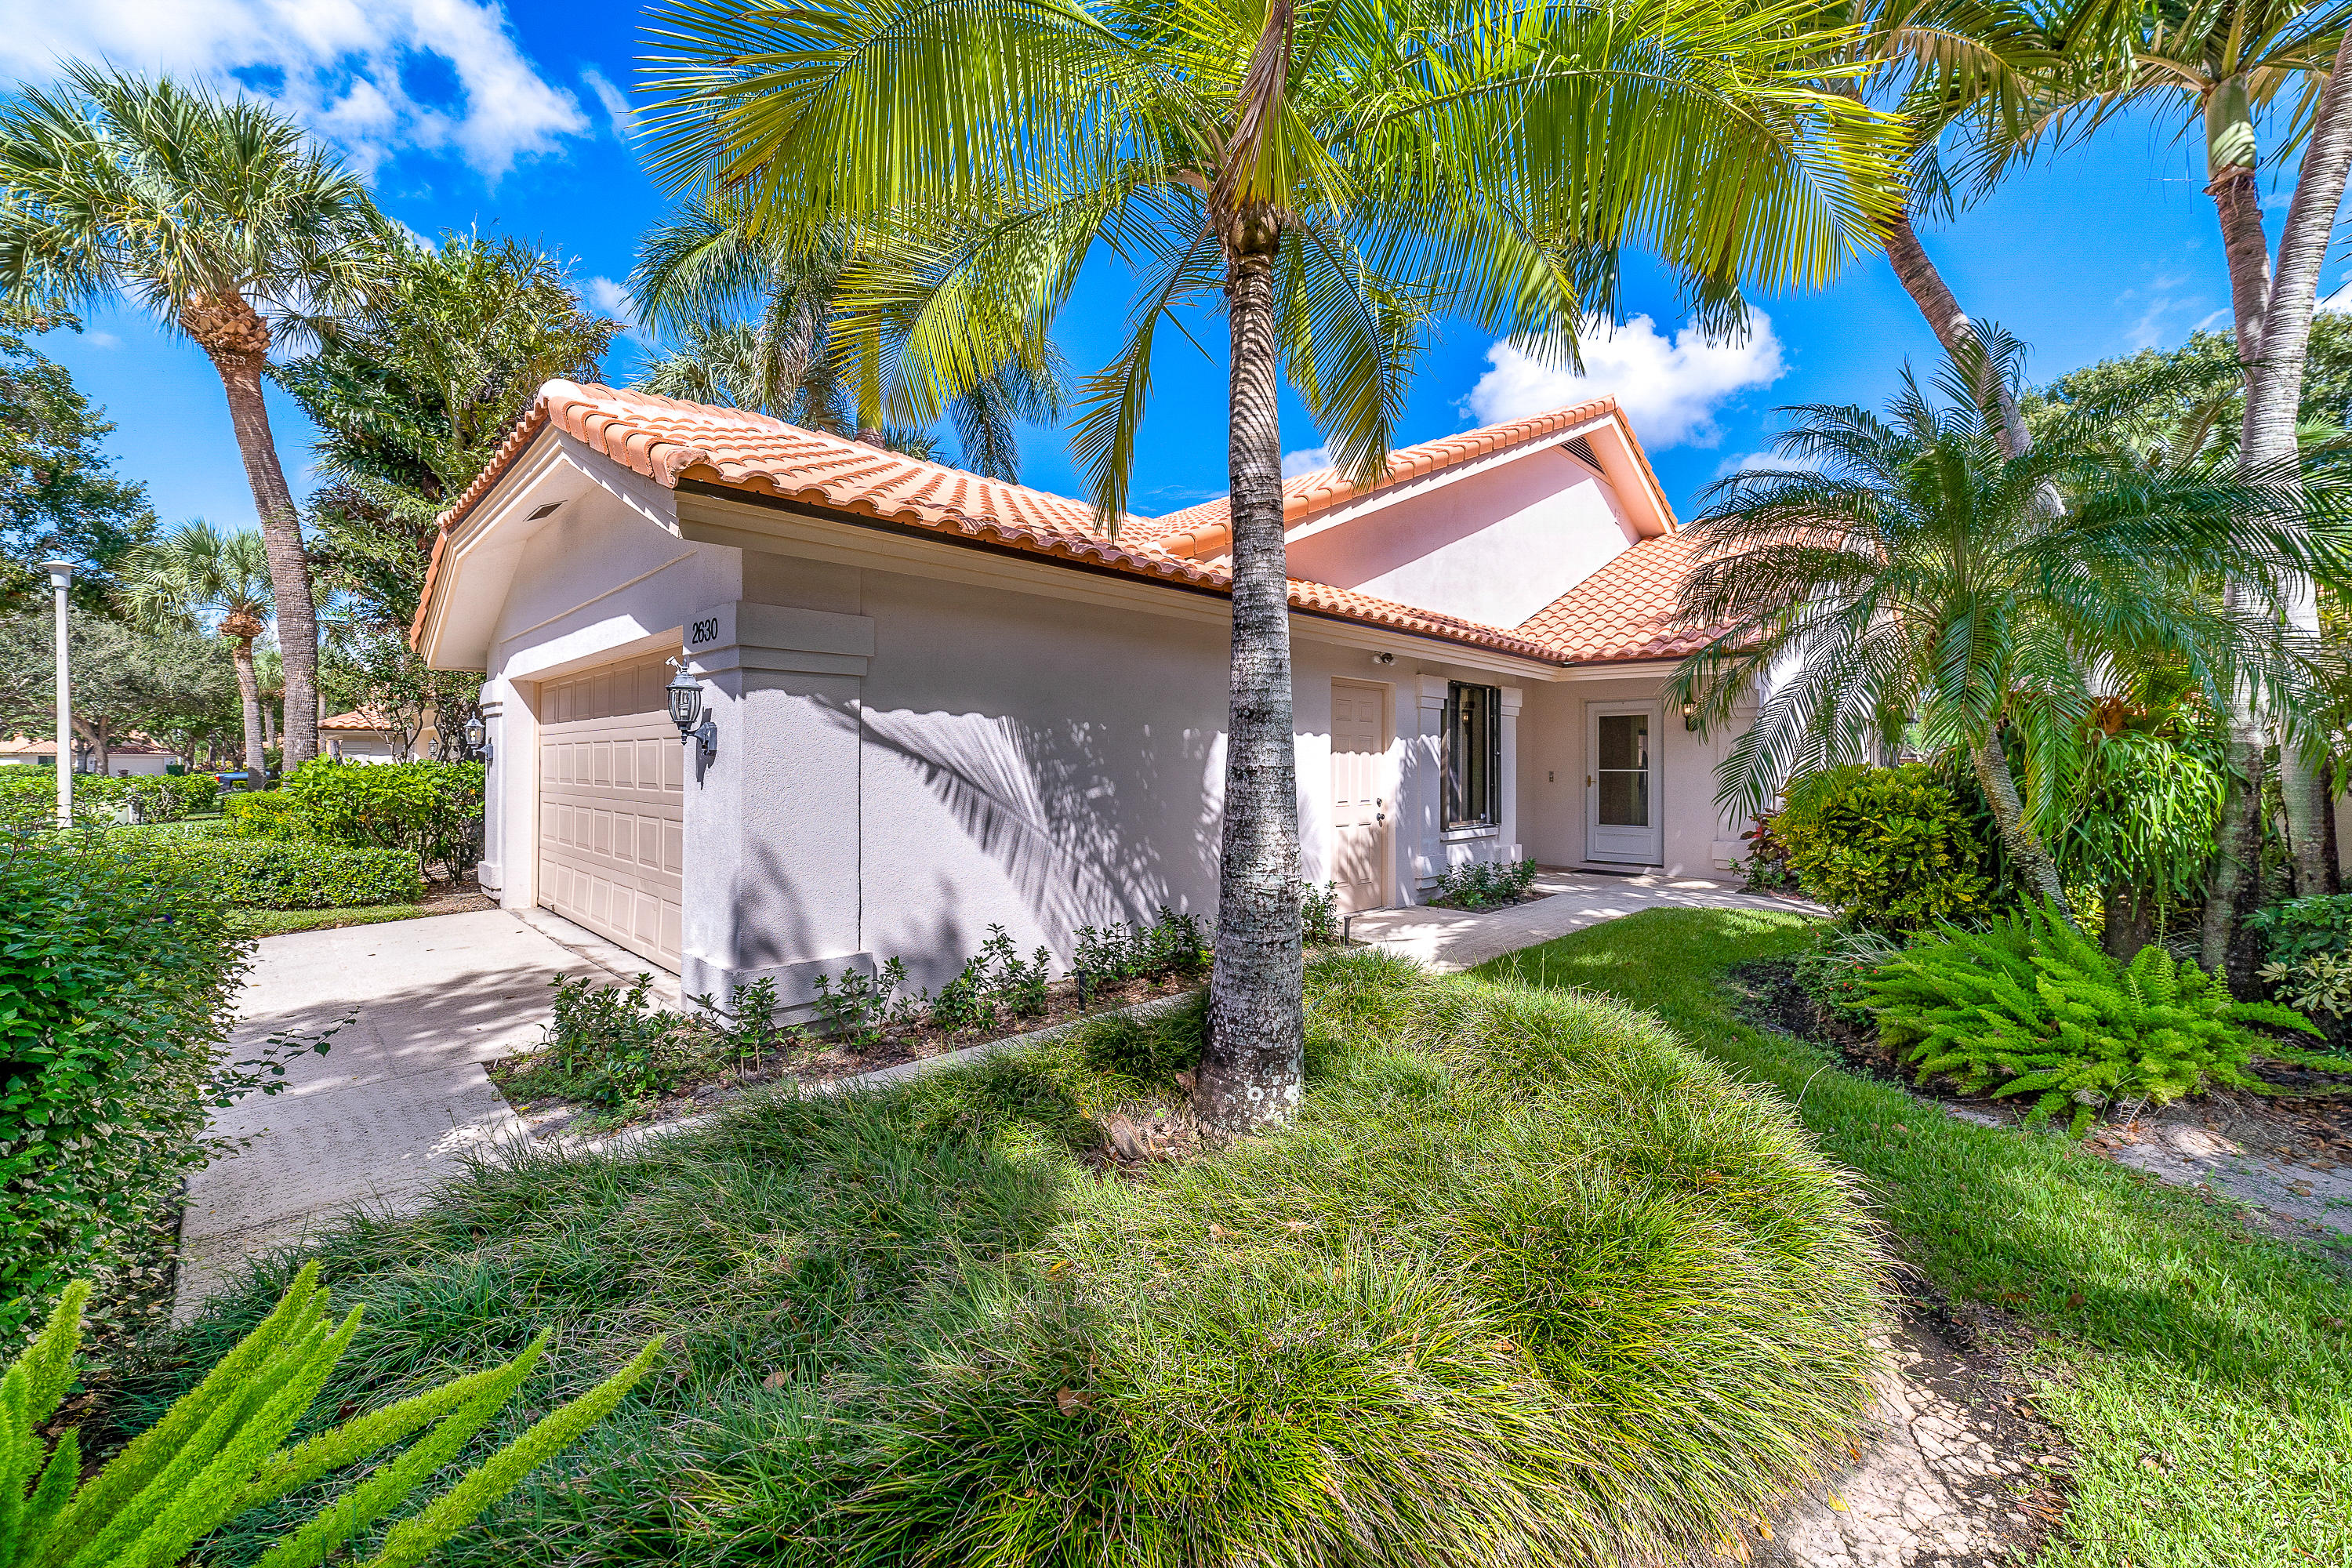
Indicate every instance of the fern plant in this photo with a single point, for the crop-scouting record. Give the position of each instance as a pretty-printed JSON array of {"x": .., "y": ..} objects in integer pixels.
[
  {"x": 216, "y": 1452},
  {"x": 2030, "y": 1006}
]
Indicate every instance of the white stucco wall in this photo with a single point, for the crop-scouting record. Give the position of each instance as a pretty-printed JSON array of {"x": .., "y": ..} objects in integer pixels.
[
  {"x": 1697, "y": 841},
  {"x": 1495, "y": 545}
]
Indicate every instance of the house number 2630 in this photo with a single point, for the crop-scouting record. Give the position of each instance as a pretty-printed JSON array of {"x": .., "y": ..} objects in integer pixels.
[{"x": 704, "y": 631}]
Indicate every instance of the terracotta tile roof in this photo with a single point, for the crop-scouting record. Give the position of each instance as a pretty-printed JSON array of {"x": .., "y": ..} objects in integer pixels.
[
  {"x": 1201, "y": 530},
  {"x": 669, "y": 441},
  {"x": 357, "y": 719},
  {"x": 1625, "y": 610}
]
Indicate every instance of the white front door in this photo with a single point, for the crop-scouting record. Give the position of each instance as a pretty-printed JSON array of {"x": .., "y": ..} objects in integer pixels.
[
  {"x": 1359, "y": 808},
  {"x": 1621, "y": 787}
]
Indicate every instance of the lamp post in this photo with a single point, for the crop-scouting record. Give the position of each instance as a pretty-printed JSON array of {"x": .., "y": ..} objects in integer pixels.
[{"x": 60, "y": 579}]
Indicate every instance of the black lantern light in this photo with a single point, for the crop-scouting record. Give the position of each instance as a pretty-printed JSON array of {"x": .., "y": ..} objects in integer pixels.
[
  {"x": 1690, "y": 716},
  {"x": 478, "y": 739},
  {"x": 685, "y": 694}
]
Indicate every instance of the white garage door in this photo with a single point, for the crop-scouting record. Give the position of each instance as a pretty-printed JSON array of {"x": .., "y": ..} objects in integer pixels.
[{"x": 611, "y": 806}]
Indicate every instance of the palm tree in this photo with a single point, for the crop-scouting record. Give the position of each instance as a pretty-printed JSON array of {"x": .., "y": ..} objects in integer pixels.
[
  {"x": 1915, "y": 575},
  {"x": 196, "y": 574},
  {"x": 752, "y": 317},
  {"x": 224, "y": 220},
  {"x": 1339, "y": 171}
]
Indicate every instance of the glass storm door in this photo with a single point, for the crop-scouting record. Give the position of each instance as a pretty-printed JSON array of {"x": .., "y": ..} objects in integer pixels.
[{"x": 1622, "y": 787}]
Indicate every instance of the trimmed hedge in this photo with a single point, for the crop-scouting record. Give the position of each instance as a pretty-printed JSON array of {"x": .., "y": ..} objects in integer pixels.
[
  {"x": 117, "y": 974},
  {"x": 268, "y": 814},
  {"x": 433, "y": 810},
  {"x": 28, "y": 793},
  {"x": 272, "y": 874}
]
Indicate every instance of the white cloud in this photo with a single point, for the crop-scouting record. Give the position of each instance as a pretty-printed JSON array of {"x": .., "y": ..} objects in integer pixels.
[
  {"x": 1670, "y": 389},
  {"x": 1305, "y": 461},
  {"x": 1766, "y": 462},
  {"x": 101, "y": 340},
  {"x": 2339, "y": 302},
  {"x": 374, "y": 77},
  {"x": 610, "y": 298},
  {"x": 615, "y": 101}
]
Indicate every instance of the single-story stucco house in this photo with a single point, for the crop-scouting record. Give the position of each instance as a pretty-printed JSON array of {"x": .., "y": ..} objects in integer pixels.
[
  {"x": 130, "y": 757},
  {"x": 943, "y": 703},
  {"x": 365, "y": 735}
]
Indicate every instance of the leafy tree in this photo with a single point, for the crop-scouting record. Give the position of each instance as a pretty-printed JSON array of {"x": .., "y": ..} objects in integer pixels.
[
  {"x": 1338, "y": 171},
  {"x": 2202, "y": 385},
  {"x": 171, "y": 682},
  {"x": 751, "y": 315},
  {"x": 1919, "y": 578},
  {"x": 416, "y": 389},
  {"x": 228, "y": 224},
  {"x": 58, "y": 495},
  {"x": 197, "y": 575}
]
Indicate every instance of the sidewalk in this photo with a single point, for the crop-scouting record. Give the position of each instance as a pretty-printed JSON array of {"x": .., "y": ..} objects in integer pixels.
[{"x": 1448, "y": 940}]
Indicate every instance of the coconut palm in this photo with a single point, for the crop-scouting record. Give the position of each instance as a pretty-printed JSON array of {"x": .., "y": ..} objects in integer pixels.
[
  {"x": 751, "y": 315},
  {"x": 1915, "y": 575},
  {"x": 1339, "y": 171},
  {"x": 198, "y": 575},
  {"x": 228, "y": 224}
]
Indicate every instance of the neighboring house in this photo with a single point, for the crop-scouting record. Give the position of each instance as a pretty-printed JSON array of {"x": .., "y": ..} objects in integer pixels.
[
  {"x": 944, "y": 703},
  {"x": 364, "y": 736},
  {"x": 129, "y": 758}
]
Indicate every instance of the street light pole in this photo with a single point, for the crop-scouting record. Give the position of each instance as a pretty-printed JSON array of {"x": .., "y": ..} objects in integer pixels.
[{"x": 60, "y": 579}]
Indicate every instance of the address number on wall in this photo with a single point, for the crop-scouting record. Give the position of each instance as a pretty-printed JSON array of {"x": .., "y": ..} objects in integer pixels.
[{"x": 703, "y": 632}]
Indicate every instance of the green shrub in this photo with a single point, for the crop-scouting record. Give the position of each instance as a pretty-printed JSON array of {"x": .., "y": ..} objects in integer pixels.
[
  {"x": 1889, "y": 849},
  {"x": 433, "y": 810},
  {"x": 1527, "y": 1283},
  {"x": 1481, "y": 884},
  {"x": 215, "y": 1454},
  {"x": 2303, "y": 928},
  {"x": 2032, "y": 1007},
  {"x": 1835, "y": 972},
  {"x": 28, "y": 797},
  {"x": 117, "y": 975},
  {"x": 271, "y": 874},
  {"x": 1318, "y": 913},
  {"x": 269, "y": 814}
]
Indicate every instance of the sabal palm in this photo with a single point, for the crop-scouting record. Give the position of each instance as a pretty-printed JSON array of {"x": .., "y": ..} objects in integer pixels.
[
  {"x": 223, "y": 220},
  {"x": 1914, "y": 574},
  {"x": 1340, "y": 171},
  {"x": 751, "y": 313},
  {"x": 198, "y": 575}
]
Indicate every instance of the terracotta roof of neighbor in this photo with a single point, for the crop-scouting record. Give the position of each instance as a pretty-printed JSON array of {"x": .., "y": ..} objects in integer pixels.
[
  {"x": 1625, "y": 610},
  {"x": 357, "y": 719},
  {"x": 127, "y": 746},
  {"x": 670, "y": 441},
  {"x": 1311, "y": 494}
]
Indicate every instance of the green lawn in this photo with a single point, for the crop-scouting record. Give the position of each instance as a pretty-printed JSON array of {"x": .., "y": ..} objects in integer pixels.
[
  {"x": 277, "y": 922},
  {"x": 1529, "y": 1282},
  {"x": 2202, "y": 1371}
]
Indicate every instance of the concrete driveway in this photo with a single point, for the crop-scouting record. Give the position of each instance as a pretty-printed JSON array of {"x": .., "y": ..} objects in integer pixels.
[{"x": 392, "y": 1109}]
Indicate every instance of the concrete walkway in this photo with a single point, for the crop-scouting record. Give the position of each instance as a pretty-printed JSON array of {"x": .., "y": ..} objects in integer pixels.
[
  {"x": 1448, "y": 940},
  {"x": 399, "y": 1097}
]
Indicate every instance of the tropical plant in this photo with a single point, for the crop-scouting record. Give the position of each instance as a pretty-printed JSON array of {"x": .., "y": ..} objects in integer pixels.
[
  {"x": 1912, "y": 581},
  {"x": 1834, "y": 972},
  {"x": 1339, "y": 170},
  {"x": 231, "y": 226},
  {"x": 415, "y": 389},
  {"x": 1887, "y": 849},
  {"x": 216, "y": 1454},
  {"x": 751, "y": 314},
  {"x": 2141, "y": 824},
  {"x": 197, "y": 574},
  {"x": 2032, "y": 1007}
]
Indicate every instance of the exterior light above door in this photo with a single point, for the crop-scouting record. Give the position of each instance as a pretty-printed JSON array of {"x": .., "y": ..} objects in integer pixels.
[{"x": 685, "y": 695}]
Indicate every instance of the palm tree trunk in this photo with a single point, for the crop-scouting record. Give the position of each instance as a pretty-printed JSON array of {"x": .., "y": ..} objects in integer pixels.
[
  {"x": 248, "y": 692},
  {"x": 1253, "y": 1068},
  {"x": 1950, "y": 325},
  {"x": 281, "y": 533},
  {"x": 2017, "y": 836},
  {"x": 2274, "y": 397},
  {"x": 2237, "y": 841}
]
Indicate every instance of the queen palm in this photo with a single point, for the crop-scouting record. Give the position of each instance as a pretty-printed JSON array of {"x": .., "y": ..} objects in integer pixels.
[
  {"x": 1340, "y": 171},
  {"x": 1913, "y": 574},
  {"x": 198, "y": 575},
  {"x": 228, "y": 224}
]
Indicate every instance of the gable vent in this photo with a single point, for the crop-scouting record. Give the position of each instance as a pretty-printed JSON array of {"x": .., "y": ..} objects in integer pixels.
[{"x": 1580, "y": 448}]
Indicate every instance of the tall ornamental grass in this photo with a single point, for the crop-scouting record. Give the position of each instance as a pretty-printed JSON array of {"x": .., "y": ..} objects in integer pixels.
[{"x": 1527, "y": 1282}]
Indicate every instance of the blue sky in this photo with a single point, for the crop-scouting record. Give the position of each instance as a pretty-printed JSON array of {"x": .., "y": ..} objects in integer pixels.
[{"x": 464, "y": 113}]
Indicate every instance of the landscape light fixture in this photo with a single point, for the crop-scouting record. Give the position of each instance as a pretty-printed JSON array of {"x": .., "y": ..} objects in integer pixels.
[{"x": 685, "y": 694}]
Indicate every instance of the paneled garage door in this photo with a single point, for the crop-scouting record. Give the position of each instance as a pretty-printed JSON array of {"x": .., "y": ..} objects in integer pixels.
[{"x": 611, "y": 806}]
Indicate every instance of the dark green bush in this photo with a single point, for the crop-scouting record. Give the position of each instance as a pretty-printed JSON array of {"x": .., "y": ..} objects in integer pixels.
[
  {"x": 273, "y": 874},
  {"x": 268, "y": 814},
  {"x": 2032, "y": 1007},
  {"x": 2304, "y": 929},
  {"x": 433, "y": 810},
  {"x": 1890, "y": 849},
  {"x": 1481, "y": 884},
  {"x": 116, "y": 978},
  {"x": 1527, "y": 1283},
  {"x": 28, "y": 796}
]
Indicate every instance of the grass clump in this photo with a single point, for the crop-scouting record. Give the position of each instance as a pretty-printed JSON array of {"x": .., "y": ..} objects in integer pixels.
[
  {"x": 2201, "y": 1369},
  {"x": 1527, "y": 1282}
]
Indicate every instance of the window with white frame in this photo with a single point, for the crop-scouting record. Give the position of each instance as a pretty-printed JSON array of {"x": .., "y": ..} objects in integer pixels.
[{"x": 1473, "y": 756}]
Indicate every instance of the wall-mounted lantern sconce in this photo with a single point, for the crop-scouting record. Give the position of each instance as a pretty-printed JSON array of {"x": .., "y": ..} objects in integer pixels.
[
  {"x": 685, "y": 695},
  {"x": 1384, "y": 659},
  {"x": 478, "y": 739},
  {"x": 1690, "y": 716}
]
